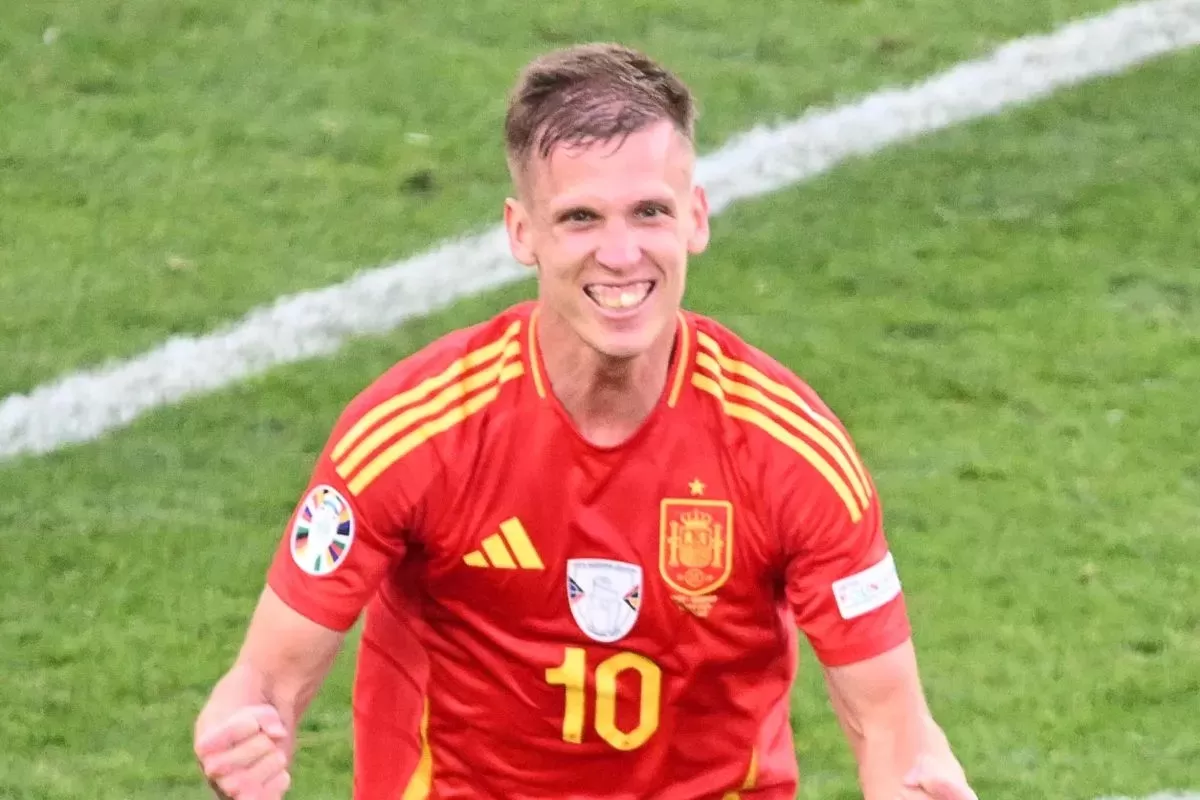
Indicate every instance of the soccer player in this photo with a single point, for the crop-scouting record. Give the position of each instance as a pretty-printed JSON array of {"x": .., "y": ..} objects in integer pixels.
[{"x": 588, "y": 529}]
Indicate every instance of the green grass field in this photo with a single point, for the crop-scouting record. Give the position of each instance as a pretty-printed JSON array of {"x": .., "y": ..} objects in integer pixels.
[{"x": 1007, "y": 316}]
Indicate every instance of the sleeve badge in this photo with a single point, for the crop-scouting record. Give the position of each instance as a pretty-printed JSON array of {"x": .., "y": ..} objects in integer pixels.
[{"x": 323, "y": 531}]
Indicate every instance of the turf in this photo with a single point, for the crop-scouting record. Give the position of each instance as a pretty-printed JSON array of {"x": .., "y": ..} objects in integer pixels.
[
  {"x": 1007, "y": 316},
  {"x": 169, "y": 165}
]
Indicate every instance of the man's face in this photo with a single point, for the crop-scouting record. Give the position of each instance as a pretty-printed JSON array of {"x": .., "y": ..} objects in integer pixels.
[{"x": 609, "y": 227}]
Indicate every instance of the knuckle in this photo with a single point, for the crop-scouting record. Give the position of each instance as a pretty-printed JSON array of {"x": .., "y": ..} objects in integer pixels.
[
  {"x": 221, "y": 765},
  {"x": 230, "y": 787},
  {"x": 280, "y": 784}
]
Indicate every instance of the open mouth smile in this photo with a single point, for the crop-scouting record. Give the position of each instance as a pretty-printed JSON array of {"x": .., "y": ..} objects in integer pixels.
[{"x": 619, "y": 297}]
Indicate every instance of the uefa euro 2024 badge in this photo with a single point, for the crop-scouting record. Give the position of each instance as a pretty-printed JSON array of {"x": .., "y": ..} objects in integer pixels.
[{"x": 323, "y": 531}]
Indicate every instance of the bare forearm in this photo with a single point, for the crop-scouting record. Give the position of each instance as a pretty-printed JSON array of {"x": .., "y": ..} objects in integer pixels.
[
  {"x": 243, "y": 687},
  {"x": 887, "y": 753},
  {"x": 282, "y": 664}
]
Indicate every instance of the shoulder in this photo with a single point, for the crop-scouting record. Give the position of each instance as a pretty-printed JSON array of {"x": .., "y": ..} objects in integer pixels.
[
  {"x": 428, "y": 393},
  {"x": 729, "y": 368},
  {"x": 445, "y": 361},
  {"x": 791, "y": 433}
]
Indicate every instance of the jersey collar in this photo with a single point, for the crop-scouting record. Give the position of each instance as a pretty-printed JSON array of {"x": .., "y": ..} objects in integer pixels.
[{"x": 682, "y": 356}]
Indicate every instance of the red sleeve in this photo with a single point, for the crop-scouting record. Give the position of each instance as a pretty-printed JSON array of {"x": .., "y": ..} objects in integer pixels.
[
  {"x": 339, "y": 544},
  {"x": 841, "y": 578}
]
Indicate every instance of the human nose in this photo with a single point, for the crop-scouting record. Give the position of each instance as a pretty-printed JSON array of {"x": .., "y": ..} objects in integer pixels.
[{"x": 619, "y": 248}]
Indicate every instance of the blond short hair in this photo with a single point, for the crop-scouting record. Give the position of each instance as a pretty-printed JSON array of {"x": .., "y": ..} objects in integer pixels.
[{"x": 591, "y": 93}]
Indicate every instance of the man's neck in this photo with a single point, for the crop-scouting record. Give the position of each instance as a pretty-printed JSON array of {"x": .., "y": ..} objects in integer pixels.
[{"x": 607, "y": 399}]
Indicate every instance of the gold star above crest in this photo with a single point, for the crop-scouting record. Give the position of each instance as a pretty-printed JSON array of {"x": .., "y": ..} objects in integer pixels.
[{"x": 697, "y": 487}]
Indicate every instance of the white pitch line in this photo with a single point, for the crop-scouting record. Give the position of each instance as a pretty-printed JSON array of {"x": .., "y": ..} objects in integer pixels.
[{"x": 82, "y": 406}]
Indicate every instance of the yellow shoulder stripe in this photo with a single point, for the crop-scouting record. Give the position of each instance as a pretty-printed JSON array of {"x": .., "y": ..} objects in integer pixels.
[
  {"x": 778, "y": 432},
  {"x": 454, "y": 393},
  {"x": 744, "y": 391},
  {"x": 843, "y": 452},
  {"x": 459, "y": 406},
  {"x": 393, "y": 404}
]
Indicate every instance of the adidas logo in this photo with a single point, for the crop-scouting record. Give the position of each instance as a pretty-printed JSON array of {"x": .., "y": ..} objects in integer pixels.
[{"x": 508, "y": 549}]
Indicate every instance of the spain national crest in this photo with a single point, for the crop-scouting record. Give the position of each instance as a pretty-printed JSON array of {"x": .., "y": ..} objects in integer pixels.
[
  {"x": 695, "y": 547},
  {"x": 605, "y": 596}
]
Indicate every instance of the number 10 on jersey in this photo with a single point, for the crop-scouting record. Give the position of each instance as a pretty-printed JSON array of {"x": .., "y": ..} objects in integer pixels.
[{"x": 572, "y": 674}]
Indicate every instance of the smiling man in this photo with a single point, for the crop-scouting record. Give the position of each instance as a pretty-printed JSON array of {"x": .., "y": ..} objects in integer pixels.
[{"x": 588, "y": 529}]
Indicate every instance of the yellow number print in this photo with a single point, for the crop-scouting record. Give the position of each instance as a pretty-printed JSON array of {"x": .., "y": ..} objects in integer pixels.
[{"x": 572, "y": 674}]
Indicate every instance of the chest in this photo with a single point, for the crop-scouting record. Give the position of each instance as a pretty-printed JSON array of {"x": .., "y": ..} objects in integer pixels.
[{"x": 553, "y": 539}]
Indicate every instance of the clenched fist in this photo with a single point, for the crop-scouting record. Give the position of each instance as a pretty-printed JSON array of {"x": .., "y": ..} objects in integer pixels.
[{"x": 245, "y": 757}]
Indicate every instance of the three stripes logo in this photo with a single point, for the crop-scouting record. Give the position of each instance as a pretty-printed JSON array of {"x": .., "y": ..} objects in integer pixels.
[
  {"x": 400, "y": 424},
  {"x": 745, "y": 393},
  {"x": 508, "y": 549}
]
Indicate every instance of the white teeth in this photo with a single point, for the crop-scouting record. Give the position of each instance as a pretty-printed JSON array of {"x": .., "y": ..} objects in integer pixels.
[{"x": 619, "y": 298}]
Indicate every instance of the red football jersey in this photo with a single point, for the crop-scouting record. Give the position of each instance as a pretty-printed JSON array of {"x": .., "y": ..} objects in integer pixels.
[{"x": 594, "y": 622}]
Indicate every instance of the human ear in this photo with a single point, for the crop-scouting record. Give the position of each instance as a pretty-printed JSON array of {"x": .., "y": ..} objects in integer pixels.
[
  {"x": 699, "y": 235},
  {"x": 517, "y": 223}
]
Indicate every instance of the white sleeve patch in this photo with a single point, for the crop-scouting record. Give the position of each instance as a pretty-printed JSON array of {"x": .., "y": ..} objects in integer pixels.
[{"x": 868, "y": 590}]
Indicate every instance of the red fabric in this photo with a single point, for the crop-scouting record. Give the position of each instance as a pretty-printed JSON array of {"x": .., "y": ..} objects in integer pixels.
[{"x": 677, "y": 706}]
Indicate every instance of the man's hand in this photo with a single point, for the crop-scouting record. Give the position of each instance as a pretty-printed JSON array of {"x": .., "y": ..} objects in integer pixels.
[
  {"x": 245, "y": 757},
  {"x": 937, "y": 781},
  {"x": 244, "y": 734}
]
